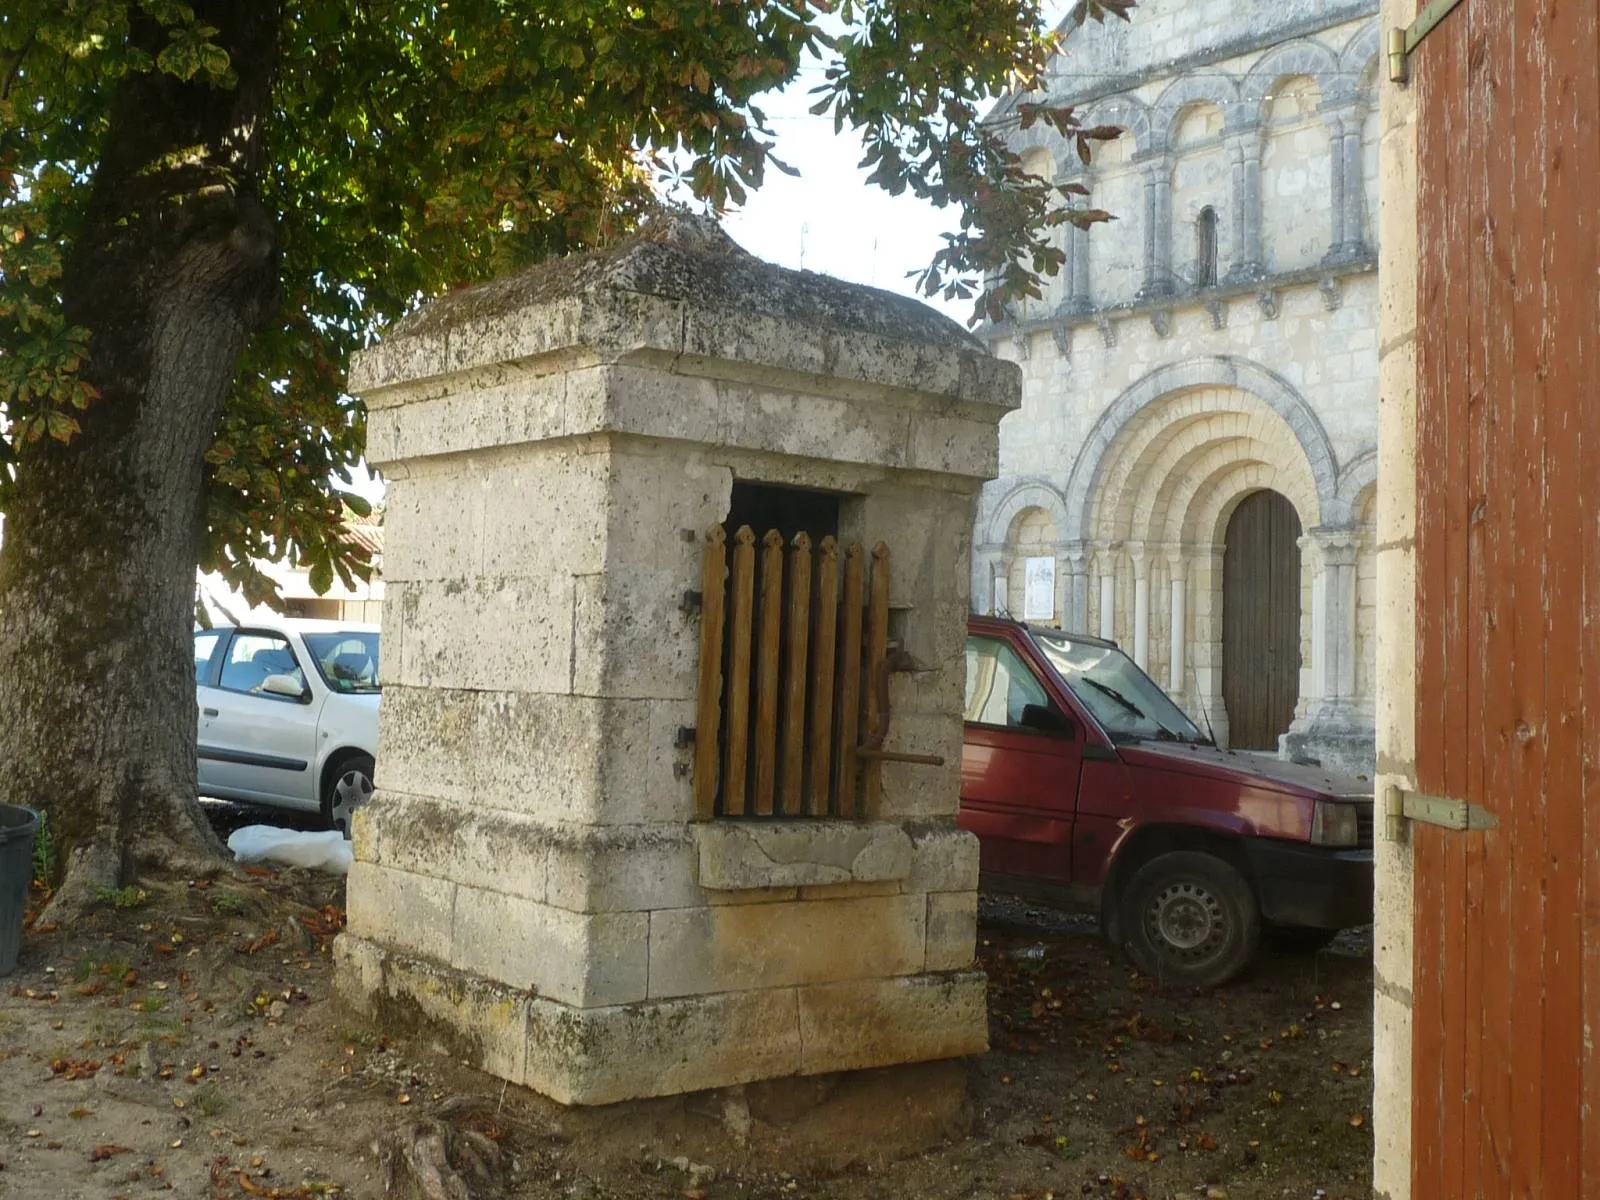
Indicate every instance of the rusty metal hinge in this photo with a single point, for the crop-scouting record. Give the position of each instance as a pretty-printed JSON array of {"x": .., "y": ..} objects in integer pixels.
[
  {"x": 1400, "y": 806},
  {"x": 1404, "y": 42}
]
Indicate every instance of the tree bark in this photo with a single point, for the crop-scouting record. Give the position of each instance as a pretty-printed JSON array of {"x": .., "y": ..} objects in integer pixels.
[{"x": 173, "y": 269}]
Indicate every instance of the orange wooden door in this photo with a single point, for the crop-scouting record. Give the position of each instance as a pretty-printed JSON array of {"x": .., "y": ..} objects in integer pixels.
[{"x": 1506, "y": 1090}]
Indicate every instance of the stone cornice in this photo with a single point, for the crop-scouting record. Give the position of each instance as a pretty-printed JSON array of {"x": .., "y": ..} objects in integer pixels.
[{"x": 1098, "y": 315}]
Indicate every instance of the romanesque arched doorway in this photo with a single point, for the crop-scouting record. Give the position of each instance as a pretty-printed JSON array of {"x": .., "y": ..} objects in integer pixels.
[{"x": 1261, "y": 620}]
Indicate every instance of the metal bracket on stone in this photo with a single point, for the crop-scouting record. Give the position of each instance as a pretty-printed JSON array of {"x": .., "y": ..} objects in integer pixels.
[
  {"x": 1024, "y": 345},
  {"x": 1267, "y": 302},
  {"x": 1108, "y": 330},
  {"x": 1161, "y": 322},
  {"x": 1061, "y": 335},
  {"x": 1332, "y": 293},
  {"x": 1218, "y": 308}
]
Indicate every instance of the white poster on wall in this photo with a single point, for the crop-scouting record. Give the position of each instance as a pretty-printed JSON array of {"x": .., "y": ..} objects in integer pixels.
[{"x": 1039, "y": 589}]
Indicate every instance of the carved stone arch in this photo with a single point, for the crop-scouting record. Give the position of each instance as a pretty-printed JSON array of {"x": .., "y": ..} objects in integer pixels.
[
  {"x": 1126, "y": 111},
  {"x": 1357, "y": 59},
  {"x": 1219, "y": 89},
  {"x": 1020, "y": 495},
  {"x": 1357, "y": 475},
  {"x": 1217, "y": 371},
  {"x": 1303, "y": 56}
]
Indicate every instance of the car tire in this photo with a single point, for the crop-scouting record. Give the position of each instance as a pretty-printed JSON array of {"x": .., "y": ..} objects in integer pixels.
[
  {"x": 1189, "y": 919},
  {"x": 347, "y": 786},
  {"x": 1294, "y": 940}
]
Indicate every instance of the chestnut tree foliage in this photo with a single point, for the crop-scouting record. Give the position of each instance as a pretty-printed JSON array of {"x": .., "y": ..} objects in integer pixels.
[{"x": 206, "y": 205}]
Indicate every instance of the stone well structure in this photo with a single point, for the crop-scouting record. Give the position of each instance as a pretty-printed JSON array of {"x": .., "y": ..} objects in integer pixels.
[{"x": 533, "y": 880}]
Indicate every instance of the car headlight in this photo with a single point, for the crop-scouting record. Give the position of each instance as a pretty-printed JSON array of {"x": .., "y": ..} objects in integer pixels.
[{"x": 1334, "y": 824}]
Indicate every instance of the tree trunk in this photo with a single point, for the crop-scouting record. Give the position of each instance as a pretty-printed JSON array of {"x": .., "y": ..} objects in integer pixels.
[{"x": 173, "y": 269}]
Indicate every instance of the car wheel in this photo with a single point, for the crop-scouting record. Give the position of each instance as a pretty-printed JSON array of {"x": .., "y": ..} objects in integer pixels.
[
  {"x": 1189, "y": 919},
  {"x": 348, "y": 787},
  {"x": 1296, "y": 939}
]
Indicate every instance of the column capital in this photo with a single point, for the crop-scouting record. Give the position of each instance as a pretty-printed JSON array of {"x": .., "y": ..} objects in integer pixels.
[{"x": 1338, "y": 546}]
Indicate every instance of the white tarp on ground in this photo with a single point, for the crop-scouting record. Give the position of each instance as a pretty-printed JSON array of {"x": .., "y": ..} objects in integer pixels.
[{"x": 327, "y": 851}]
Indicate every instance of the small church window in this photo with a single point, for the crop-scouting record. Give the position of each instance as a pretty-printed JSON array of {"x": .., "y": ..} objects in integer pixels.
[{"x": 1205, "y": 259}]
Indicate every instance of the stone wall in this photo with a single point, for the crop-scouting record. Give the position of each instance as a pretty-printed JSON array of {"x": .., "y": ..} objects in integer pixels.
[{"x": 1158, "y": 394}]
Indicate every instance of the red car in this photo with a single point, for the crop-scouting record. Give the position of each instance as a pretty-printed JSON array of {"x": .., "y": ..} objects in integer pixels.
[{"x": 1085, "y": 782}]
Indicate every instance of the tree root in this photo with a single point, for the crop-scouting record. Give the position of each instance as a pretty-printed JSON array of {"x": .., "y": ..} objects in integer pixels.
[
  {"x": 93, "y": 868},
  {"x": 431, "y": 1159},
  {"x": 99, "y": 866}
]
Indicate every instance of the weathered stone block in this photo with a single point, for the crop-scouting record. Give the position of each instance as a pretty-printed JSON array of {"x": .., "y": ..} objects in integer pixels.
[
  {"x": 943, "y": 859},
  {"x": 585, "y": 959},
  {"x": 877, "y": 1022},
  {"x": 400, "y": 908},
  {"x": 760, "y": 854},
  {"x": 504, "y": 852},
  {"x": 661, "y": 1048},
  {"x": 481, "y": 1022},
  {"x": 622, "y": 868},
  {"x": 952, "y": 931},
  {"x": 732, "y": 948}
]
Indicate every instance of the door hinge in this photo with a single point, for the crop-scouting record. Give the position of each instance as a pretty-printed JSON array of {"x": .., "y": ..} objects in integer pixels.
[
  {"x": 1404, "y": 42},
  {"x": 1400, "y": 806}
]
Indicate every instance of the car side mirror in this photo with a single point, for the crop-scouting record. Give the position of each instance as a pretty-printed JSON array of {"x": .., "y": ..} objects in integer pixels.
[
  {"x": 1044, "y": 718},
  {"x": 284, "y": 685}
]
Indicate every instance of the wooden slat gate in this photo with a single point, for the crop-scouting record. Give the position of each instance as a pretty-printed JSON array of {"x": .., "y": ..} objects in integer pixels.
[
  {"x": 1506, "y": 1019},
  {"x": 792, "y": 710}
]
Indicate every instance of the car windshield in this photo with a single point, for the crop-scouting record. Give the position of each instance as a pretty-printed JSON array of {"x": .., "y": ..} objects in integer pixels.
[
  {"x": 347, "y": 659},
  {"x": 1126, "y": 701}
]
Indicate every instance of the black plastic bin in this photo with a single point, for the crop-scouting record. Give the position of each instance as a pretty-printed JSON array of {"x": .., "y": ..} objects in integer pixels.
[{"x": 18, "y": 828}]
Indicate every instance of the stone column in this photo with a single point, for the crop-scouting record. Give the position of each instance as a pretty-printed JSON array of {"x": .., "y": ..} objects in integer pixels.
[
  {"x": 1354, "y": 184},
  {"x": 1150, "y": 212},
  {"x": 1176, "y": 627},
  {"x": 1157, "y": 230},
  {"x": 1328, "y": 727},
  {"x": 1336, "y": 238},
  {"x": 1075, "y": 614},
  {"x": 1244, "y": 152},
  {"x": 1108, "y": 594},
  {"x": 1141, "y": 608},
  {"x": 1337, "y": 549},
  {"x": 1344, "y": 162}
]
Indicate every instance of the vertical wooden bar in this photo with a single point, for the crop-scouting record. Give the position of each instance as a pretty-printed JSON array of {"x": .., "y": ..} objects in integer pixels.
[
  {"x": 1568, "y": 117},
  {"x": 738, "y": 747},
  {"x": 1585, "y": 365},
  {"x": 768, "y": 653},
  {"x": 794, "y": 681},
  {"x": 822, "y": 661},
  {"x": 708, "y": 697},
  {"x": 877, "y": 652},
  {"x": 1474, "y": 412},
  {"x": 849, "y": 734}
]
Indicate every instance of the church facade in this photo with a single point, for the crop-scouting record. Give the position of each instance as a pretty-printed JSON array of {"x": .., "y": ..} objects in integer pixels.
[{"x": 1192, "y": 468}]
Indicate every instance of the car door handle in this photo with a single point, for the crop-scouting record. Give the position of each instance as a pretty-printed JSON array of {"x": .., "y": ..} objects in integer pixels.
[{"x": 208, "y": 712}]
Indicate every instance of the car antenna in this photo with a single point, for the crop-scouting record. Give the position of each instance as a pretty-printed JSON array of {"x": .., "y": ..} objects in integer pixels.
[{"x": 1201, "y": 700}]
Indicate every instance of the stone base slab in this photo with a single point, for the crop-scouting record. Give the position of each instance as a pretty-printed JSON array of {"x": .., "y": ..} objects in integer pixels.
[{"x": 603, "y": 1055}]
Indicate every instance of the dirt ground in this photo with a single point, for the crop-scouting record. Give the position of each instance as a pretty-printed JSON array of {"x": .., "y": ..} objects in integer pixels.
[{"x": 181, "y": 1041}]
